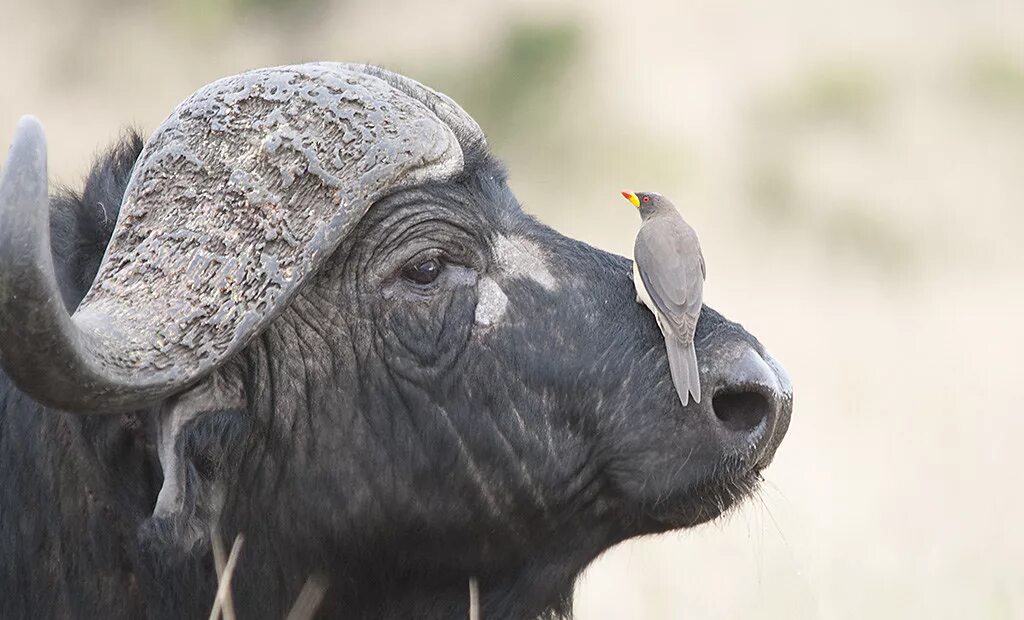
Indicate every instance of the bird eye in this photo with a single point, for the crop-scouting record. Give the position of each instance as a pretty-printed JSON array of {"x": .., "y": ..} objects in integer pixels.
[
  {"x": 423, "y": 272},
  {"x": 647, "y": 198}
]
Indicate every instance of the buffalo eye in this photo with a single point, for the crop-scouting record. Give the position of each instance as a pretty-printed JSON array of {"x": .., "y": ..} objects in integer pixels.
[{"x": 423, "y": 272}]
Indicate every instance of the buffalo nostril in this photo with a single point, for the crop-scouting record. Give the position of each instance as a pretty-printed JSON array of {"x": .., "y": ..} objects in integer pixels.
[{"x": 741, "y": 411}]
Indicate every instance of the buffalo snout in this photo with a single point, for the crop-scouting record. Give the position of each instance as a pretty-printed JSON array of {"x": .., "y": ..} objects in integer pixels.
[{"x": 750, "y": 400}]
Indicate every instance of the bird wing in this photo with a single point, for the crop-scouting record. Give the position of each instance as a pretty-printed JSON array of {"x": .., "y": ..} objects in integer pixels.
[{"x": 671, "y": 265}]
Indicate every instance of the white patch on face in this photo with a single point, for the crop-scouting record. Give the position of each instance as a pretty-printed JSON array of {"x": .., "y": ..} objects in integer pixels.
[
  {"x": 491, "y": 302},
  {"x": 520, "y": 258}
]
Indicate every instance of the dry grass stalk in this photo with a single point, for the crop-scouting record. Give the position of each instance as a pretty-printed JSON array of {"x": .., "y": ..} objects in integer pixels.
[
  {"x": 224, "y": 579},
  {"x": 309, "y": 599},
  {"x": 474, "y": 599},
  {"x": 219, "y": 561}
]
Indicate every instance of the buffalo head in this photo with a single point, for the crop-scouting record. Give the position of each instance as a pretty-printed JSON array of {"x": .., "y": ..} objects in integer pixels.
[{"x": 351, "y": 344}]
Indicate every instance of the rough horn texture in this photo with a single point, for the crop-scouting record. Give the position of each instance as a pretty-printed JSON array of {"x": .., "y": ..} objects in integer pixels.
[
  {"x": 242, "y": 192},
  {"x": 469, "y": 132}
]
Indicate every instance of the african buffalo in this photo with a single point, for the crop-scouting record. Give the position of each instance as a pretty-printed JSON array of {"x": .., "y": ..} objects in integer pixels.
[{"x": 310, "y": 310}]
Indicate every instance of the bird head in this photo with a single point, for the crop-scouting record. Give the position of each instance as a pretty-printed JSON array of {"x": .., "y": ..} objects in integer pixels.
[{"x": 646, "y": 202}]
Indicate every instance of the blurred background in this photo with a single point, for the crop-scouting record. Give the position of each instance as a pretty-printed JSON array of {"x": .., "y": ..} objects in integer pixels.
[{"x": 855, "y": 171}]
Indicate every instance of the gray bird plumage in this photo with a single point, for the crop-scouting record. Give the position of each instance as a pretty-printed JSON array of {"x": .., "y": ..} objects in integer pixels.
[{"x": 668, "y": 273}]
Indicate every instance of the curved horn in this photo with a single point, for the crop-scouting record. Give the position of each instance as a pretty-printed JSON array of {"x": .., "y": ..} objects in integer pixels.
[
  {"x": 42, "y": 349},
  {"x": 466, "y": 129},
  {"x": 240, "y": 195}
]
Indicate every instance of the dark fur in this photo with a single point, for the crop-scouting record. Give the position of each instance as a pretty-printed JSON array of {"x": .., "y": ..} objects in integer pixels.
[
  {"x": 81, "y": 224},
  {"x": 373, "y": 410}
]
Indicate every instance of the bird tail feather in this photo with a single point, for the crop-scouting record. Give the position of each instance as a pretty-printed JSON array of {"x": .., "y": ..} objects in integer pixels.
[{"x": 682, "y": 362}]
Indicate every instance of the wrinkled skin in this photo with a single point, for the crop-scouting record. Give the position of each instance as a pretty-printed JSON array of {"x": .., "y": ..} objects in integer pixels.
[{"x": 393, "y": 438}]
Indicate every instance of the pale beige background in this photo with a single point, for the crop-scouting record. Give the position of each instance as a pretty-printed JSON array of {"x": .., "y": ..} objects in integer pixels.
[{"x": 856, "y": 173}]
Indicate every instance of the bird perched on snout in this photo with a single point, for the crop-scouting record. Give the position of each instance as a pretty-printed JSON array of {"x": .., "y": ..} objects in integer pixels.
[{"x": 668, "y": 273}]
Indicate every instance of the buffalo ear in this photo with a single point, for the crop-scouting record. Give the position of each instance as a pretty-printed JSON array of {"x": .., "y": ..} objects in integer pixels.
[{"x": 199, "y": 435}]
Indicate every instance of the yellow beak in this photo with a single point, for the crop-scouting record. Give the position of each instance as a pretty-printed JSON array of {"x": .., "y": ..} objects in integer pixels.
[{"x": 630, "y": 196}]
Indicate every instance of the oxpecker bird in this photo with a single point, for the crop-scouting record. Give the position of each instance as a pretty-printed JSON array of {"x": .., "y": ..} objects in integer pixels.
[{"x": 668, "y": 273}]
